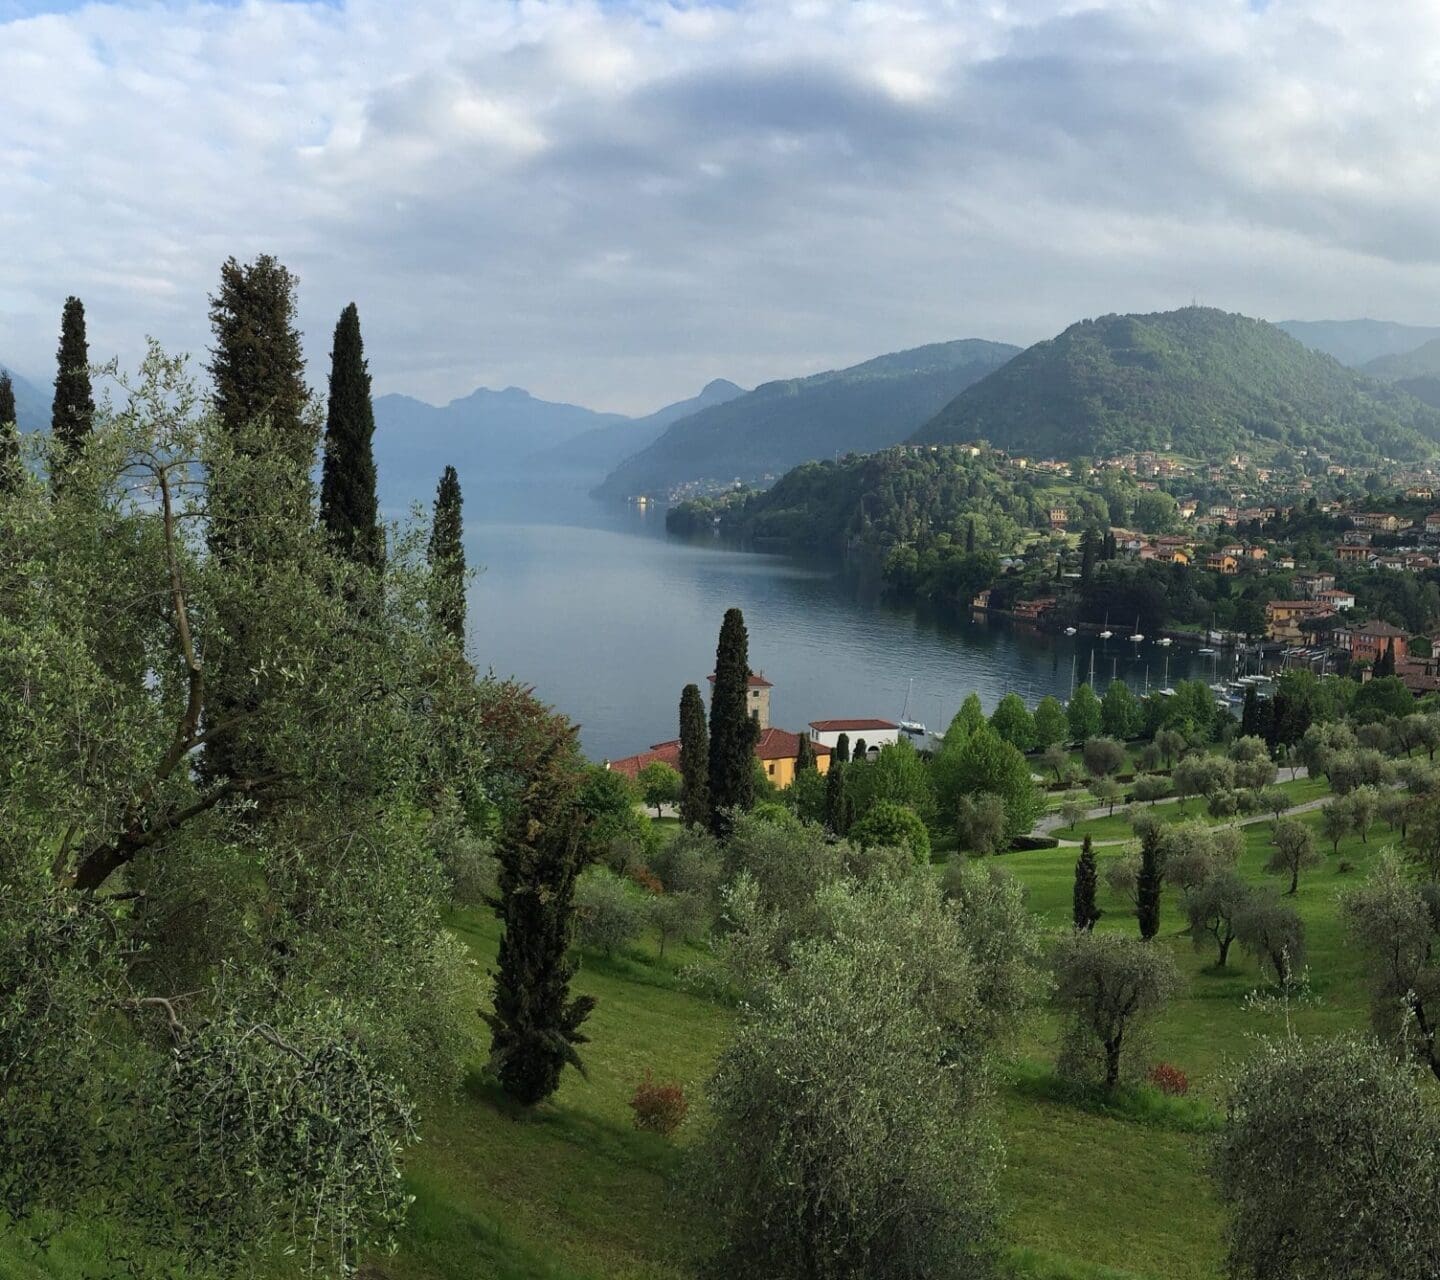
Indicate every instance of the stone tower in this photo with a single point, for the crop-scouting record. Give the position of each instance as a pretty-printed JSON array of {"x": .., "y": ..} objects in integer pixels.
[{"x": 757, "y": 698}]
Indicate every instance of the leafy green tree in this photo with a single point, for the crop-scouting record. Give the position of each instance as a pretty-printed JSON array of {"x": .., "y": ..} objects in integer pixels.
[
  {"x": 694, "y": 759},
  {"x": 1150, "y": 787},
  {"x": 9, "y": 436},
  {"x": 1304, "y": 1197},
  {"x": 891, "y": 825},
  {"x": 348, "y": 505},
  {"x": 1396, "y": 924},
  {"x": 806, "y": 795},
  {"x": 1149, "y": 882},
  {"x": 1052, "y": 727},
  {"x": 732, "y": 730},
  {"x": 986, "y": 764},
  {"x": 1107, "y": 792},
  {"x": 1363, "y": 803},
  {"x": 72, "y": 416},
  {"x": 1335, "y": 821},
  {"x": 1120, "y": 713},
  {"x": 1084, "y": 910},
  {"x": 1293, "y": 851},
  {"x": 1056, "y": 760},
  {"x": 981, "y": 823},
  {"x": 1106, "y": 987},
  {"x": 609, "y": 911},
  {"x": 1071, "y": 813},
  {"x": 1192, "y": 709},
  {"x": 535, "y": 1026},
  {"x": 1272, "y": 931},
  {"x": 1013, "y": 722},
  {"x": 447, "y": 558},
  {"x": 898, "y": 774},
  {"x": 1103, "y": 757},
  {"x": 848, "y": 1119},
  {"x": 969, "y": 718},
  {"x": 1383, "y": 697},
  {"x": 1083, "y": 713},
  {"x": 660, "y": 785},
  {"x": 1213, "y": 908},
  {"x": 1171, "y": 745}
]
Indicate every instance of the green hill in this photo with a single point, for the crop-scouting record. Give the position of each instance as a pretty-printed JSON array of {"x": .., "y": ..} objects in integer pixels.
[
  {"x": 782, "y": 424},
  {"x": 1416, "y": 372},
  {"x": 1198, "y": 381},
  {"x": 32, "y": 405}
]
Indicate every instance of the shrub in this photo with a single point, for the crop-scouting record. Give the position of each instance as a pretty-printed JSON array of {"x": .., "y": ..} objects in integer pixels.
[
  {"x": 1169, "y": 1079},
  {"x": 659, "y": 1107},
  {"x": 607, "y": 910},
  {"x": 894, "y": 826}
]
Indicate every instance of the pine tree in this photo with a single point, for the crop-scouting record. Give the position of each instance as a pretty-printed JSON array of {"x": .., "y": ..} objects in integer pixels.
[
  {"x": 72, "y": 417},
  {"x": 9, "y": 435},
  {"x": 348, "y": 506},
  {"x": 732, "y": 730},
  {"x": 536, "y": 1023},
  {"x": 804, "y": 755},
  {"x": 694, "y": 760},
  {"x": 842, "y": 750},
  {"x": 447, "y": 558},
  {"x": 1086, "y": 913},
  {"x": 1148, "y": 884},
  {"x": 835, "y": 798}
]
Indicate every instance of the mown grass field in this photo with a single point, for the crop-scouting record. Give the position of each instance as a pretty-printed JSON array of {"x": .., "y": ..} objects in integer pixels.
[
  {"x": 573, "y": 1192},
  {"x": 1117, "y": 826}
]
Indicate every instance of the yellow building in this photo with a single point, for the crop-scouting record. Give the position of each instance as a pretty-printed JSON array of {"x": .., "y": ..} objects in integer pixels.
[{"x": 776, "y": 749}]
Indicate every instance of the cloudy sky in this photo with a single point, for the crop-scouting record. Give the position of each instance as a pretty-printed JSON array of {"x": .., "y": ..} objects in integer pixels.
[{"x": 612, "y": 202}]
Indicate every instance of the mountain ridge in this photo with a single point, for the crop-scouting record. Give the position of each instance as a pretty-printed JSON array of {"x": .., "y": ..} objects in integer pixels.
[
  {"x": 1197, "y": 380},
  {"x": 788, "y": 421},
  {"x": 1356, "y": 342}
]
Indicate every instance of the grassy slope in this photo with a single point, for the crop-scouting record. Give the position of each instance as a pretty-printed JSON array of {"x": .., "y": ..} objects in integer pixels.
[{"x": 574, "y": 1193}]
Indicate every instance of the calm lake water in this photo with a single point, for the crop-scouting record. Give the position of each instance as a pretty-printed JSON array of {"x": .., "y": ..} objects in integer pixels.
[{"x": 608, "y": 618}]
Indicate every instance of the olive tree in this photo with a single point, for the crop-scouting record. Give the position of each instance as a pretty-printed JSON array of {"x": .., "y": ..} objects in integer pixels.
[
  {"x": 1293, "y": 851},
  {"x": 1106, "y": 988},
  {"x": 981, "y": 823},
  {"x": 1272, "y": 931},
  {"x": 1396, "y": 924},
  {"x": 1328, "y": 1165},
  {"x": 1213, "y": 910},
  {"x": 849, "y": 1131}
]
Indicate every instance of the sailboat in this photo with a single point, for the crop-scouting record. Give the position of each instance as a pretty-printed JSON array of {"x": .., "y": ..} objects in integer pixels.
[
  {"x": 1137, "y": 637},
  {"x": 1167, "y": 691},
  {"x": 1069, "y": 631},
  {"x": 911, "y": 728},
  {"x": 1107, "y": 633},
  {"x": 1164, "y": 642}
]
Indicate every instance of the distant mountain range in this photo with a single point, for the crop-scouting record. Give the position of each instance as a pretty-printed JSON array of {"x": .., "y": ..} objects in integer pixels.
[
  {"x": 1417, "y": 371},
  {"x": 1197, "y": 381},
  {"x": 1357, "y": 342},
  {"x": 506, "y": 433},
  {"x": 32, "y": 405},
  {"x": 781, "y": 424}
]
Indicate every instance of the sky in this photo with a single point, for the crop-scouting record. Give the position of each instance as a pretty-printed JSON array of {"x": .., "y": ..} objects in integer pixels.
[{"x": 612, "y": 203}]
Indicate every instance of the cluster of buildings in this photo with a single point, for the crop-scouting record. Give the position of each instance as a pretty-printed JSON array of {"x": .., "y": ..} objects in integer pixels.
[{"x": 777, "y": 750}]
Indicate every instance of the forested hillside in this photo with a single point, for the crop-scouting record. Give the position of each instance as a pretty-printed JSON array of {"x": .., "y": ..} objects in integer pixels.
[
  {"x": 1198, "y": 381},
  {"x": 782, "y": 424}
]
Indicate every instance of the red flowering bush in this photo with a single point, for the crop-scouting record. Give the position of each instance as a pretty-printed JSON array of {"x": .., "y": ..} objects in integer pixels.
[
  {"x": 645, "y": 878},
  {"x": 1169, "y": 1079},
  {"x": 659, "y": 1108}
]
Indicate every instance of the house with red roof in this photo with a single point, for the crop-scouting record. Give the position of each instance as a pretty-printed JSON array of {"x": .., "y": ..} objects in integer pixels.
[{"x": 877, "y": 733}]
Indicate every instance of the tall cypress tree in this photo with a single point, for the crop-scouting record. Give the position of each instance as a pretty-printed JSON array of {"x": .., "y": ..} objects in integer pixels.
[
  {"x": 1086, "y": 913},
  {"x": 835, "y": 798},
  {"x": 1148, "y": 884},
  {"x": 536, "y": 1023},
  {"x": 732, "y": 731},
  {"x": 348, "y": 506},
  {"x": 447, "y": 558},
  {"x": 804, "y": 754},
  {"x": 9, "y": 435},
  {"x": 694, "y": 759},
  {"x": 72, "y": 416},
  {"x": 842, "y": 750},
  {"x": 261, "y": 495},
  {"x": 969, "y": 537}
]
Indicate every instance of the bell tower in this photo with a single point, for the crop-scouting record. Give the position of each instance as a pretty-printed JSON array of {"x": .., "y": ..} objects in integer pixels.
[{"x": 757, "y": 698}]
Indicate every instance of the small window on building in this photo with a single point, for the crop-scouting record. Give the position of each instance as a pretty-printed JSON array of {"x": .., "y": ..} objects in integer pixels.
[
  {"x": 770, "y": 769},
  {"x": 755, "y": 715}
]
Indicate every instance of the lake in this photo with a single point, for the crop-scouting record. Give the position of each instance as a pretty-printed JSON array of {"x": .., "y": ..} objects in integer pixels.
[{"x": 609, "y": 618}]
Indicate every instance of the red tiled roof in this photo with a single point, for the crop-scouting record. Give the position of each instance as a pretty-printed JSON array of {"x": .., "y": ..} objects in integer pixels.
[
  {"x": 778, "y": 744},
  {"x": 833, "y": 726},
  {"x": 755, "y": 681},
  {"x": 664, "y": 752}
]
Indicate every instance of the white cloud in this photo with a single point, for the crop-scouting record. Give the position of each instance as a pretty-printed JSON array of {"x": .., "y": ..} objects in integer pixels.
[{"x": 613, "y": 202}]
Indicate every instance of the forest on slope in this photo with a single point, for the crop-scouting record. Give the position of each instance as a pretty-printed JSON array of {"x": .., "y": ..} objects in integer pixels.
[{"x": 1197, "y": 381}]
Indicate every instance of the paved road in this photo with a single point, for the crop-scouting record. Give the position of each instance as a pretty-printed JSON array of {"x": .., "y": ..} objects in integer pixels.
[{"x": 1050, "y": 824}]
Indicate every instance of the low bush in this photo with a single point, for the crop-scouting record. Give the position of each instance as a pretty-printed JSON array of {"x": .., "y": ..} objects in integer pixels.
[
  {"x": 659, "y": 1107},
  {"x": 1169, "y": 1079}
]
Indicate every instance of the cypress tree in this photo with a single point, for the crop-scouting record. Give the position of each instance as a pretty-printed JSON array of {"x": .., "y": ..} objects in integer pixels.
[
  {"x": 72, "y": 416},
  {"x": 694, "y": 759},
  {"x": 1148, "y": 883},
  {"x": 842, "y": 750},
  {"x": 732, "y": 730},
  {"x": 536, "y": 1024},
  {"x": 9, "y": 434},
  {"x": 447, "y": 558},
  {"x": 1086, "y": 913},
  {"x": 261, "y": 404},
  {"x": 969, "y": 537},
  {"x": 1250, "y": 713},
  {"x": 804, "y": 754},
  {"x": 835, "y": 798},
  {"x": 348, "y": 506},
  {"x": 860, "y": 751}
]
